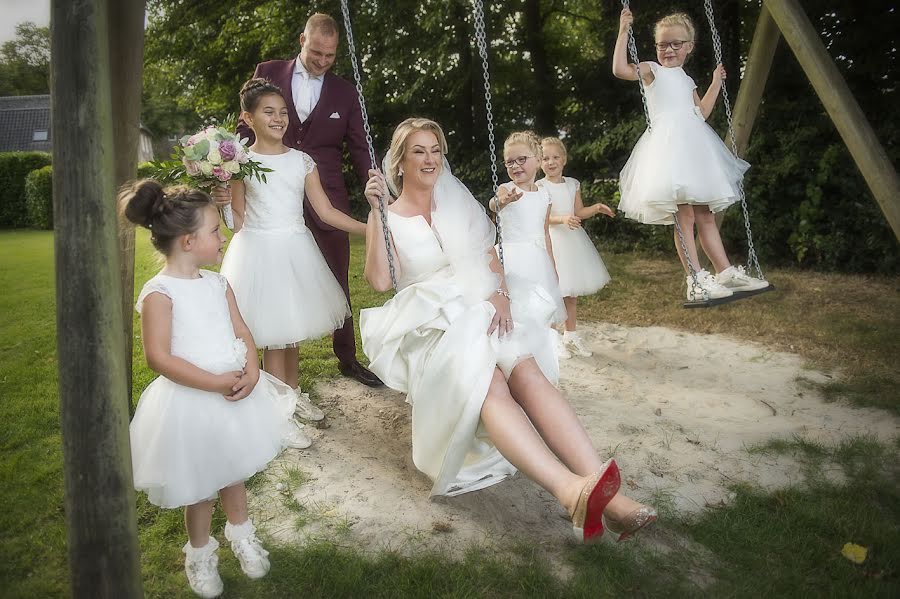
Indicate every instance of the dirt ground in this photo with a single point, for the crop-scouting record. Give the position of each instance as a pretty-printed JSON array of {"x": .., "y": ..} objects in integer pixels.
[{"x": 678, "y": 411}]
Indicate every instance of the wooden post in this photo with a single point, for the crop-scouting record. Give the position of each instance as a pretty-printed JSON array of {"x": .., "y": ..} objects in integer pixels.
[
  {"x": 756, "y": 72},
  {"x": 126, "y": 54},
  {"x": 843, "y": 109},
  {"x": 101, "y": 521}
]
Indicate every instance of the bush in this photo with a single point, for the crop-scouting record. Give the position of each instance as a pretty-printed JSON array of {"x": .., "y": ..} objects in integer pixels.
[
  {"x": 14, "y": 167},
  {"x": 39, "y": 197}
]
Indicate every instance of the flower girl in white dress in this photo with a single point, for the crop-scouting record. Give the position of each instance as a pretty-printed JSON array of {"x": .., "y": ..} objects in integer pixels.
[
  {"x": 680, "y": 167},
  {"x": 282, "y": 283},
  {"x": 211, "y": 419},
  {"x": 579, "y": 266}
]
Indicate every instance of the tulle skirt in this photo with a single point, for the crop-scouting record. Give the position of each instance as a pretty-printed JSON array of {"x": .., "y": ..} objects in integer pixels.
[
  {"x": 530, "y": 261},
  {"x": 579, "y": 266},
  {"x": 186, "y": 444},
  {"x": 429, "y": 343},
  {"x": 680, "y": 160},
  {"x": 284, "y": 289}
]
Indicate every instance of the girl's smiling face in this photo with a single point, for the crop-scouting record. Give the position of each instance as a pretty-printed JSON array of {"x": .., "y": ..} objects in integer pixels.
[
  {"x": 673, "y": 44},
  {"x": 269, "y": 119},
  {"x": 554, "y": 160},
  {"x": 521, "y": 164}
]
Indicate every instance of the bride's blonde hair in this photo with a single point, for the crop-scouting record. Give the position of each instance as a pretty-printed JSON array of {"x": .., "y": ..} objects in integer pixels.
[{"x": 398, "y": 147}]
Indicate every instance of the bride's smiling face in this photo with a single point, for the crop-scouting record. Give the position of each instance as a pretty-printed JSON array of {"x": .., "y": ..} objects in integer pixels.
[{"x": 422, "y": 161}]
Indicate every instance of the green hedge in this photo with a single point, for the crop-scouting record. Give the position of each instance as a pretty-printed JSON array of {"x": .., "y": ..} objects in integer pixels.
[
  {"x": 39, "y": 197},
  {"x": 14, "y": 167}
]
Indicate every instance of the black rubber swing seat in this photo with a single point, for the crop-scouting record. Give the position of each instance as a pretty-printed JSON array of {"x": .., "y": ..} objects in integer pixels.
[{"x": 738, "y": 295}]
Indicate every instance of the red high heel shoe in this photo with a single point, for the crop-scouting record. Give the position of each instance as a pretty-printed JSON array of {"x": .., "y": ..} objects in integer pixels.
[{"x": 587, "y": 519}]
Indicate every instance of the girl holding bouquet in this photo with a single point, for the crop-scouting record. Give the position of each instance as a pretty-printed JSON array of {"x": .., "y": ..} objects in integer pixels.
[
  {"x": 282, "y": 284},
  {"x": 211, "y": 419}
]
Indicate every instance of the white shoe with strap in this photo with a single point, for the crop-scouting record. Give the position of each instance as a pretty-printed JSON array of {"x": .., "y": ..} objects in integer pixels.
[
  {"x": 305, "y": 408},
  {"x": 201, "y": 564},
  {"x": 248, "y": 549}
]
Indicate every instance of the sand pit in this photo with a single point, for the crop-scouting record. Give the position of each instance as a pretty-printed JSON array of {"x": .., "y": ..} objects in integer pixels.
[{"x": 677, "y": 410}]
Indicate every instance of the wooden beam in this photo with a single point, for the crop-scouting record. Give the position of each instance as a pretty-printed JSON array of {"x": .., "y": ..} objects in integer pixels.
[
  {"x": 126, "y": 53},
  {"x": 100, "y": 516},
  {"x": 756, "y": 73},
  {"x": 842, "y": 107}
]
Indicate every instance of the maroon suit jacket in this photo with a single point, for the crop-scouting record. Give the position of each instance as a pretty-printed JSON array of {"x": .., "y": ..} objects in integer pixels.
[{"x": 336, "y": 118}]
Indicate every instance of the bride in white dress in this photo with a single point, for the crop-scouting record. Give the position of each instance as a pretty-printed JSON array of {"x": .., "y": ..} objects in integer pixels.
[{"x": 474, "y": 368}]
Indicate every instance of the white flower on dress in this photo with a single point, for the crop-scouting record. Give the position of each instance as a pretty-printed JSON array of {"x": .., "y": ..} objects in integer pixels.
[{"x": 240, "y": 351}]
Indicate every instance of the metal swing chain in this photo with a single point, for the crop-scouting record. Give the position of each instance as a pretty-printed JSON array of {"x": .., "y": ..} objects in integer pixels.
[
  {"x": 752, "y": 261},
  {"x": 481, "y": 43},
  {"x": 369, "y": 142},
  {"x": 632, "y": 51}
]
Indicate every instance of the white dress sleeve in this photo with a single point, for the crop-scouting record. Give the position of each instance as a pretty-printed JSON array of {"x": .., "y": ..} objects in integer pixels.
[
  {"x": 218, "y": 279},
  {"x": 308, "y": 163},
  {"x": 154, "y": 285}
]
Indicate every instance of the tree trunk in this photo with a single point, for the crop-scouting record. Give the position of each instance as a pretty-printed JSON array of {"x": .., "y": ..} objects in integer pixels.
[
  {"x": 465, "y": 104},
  {"x": 101, "y": 522},
  {"x": 544, "y": 81}
]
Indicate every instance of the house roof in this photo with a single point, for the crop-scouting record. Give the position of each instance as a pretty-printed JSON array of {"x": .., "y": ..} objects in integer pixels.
[{"x": 20, "y": 117}]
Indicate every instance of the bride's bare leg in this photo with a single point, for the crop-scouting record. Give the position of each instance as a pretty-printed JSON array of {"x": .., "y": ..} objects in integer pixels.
[
  {"x": 559, "y": 427},
  {"x": 512, "y": 433}
]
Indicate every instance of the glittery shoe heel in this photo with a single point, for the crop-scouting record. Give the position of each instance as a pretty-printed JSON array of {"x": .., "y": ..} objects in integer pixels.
[{"x": 621, "y": 530}]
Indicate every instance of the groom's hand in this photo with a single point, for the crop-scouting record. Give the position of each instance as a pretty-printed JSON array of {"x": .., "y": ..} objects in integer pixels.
[{"x": 221, "y": 195}]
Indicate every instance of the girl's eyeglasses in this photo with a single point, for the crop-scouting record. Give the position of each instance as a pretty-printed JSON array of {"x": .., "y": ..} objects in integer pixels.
[
  {"x": 675, "y": 45},
  {"x": 520, "y": 160}
]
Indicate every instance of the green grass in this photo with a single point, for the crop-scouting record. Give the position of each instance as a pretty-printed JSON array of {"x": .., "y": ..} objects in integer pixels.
[{"x": 784, "y": 544}]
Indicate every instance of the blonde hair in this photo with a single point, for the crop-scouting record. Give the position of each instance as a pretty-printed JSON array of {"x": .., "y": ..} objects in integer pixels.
[
  {"x": 677, "y": 19},
  {"x": 555, "y": 141},
  {"x": 398, "y": 147},
  {"x": 526, "y": 138},
  {"x": 321, "y": 23}
]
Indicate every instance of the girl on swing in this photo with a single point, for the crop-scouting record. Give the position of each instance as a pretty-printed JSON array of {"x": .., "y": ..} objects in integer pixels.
[{"x": 680, "y": 168}]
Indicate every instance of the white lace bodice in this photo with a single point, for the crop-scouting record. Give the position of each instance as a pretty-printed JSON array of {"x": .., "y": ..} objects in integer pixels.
[
  {"x": 524, "y": 219},
  {"x": 277, "y": 204},
  {"x": 202, "y": 332},
  {"x": 562, "y": 195},
  {"x": 672, "y": 92}
]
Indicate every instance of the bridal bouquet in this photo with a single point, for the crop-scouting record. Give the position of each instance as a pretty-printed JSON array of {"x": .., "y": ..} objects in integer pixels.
[{"x": 210, "y": 157}]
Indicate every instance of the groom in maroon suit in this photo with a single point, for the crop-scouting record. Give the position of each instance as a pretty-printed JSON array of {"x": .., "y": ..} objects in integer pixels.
[{"x": 324, "y": 112}]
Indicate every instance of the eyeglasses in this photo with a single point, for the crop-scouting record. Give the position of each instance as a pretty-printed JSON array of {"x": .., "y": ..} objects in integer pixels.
[
  {"x": 674, "y": 44},
  {"x": 520, "y": 160}
]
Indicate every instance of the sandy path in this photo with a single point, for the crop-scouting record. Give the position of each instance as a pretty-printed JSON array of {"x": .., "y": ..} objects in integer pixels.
[{"x": 677, "y": 410}]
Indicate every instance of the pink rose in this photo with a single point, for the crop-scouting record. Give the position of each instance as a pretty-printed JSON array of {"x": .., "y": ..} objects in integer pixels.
[
  {"x": 221, "y": 174},
  {"x": 227, "y": 150},
  {"x": 192, "y": 167}
]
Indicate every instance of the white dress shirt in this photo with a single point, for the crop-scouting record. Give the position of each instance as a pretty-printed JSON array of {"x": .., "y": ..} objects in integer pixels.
[{"x": 306, "y": 90}]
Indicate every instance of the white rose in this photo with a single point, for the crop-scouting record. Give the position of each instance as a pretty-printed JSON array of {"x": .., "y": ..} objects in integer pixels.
[
  {"x": 206, "y": 168},
  {"x": 232, "y": 166},
  {"x": 214, "y": 157}
]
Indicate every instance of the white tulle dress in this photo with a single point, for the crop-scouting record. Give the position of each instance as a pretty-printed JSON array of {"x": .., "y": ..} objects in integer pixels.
[
  {"x": 283, "y": 286},
  {"x": 680, "y": 160},
  {"x": 525, "y": 246},
  {"x": 430, "y": 340},
  {"x": 186, "y": 444},
  {"x": 579, "y": 266}
]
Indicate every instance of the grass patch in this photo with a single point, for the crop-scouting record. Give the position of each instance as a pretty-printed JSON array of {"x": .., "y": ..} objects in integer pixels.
[{"x": 784, "y": 544}]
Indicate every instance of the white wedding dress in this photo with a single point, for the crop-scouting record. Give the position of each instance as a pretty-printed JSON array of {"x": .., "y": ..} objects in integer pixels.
[{"x": 430, "y": 340}]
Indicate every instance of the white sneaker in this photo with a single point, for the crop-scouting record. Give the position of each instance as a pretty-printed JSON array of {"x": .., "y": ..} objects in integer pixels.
[
  {"x": 574, "y": 340},
  {"x": 560, "y": 347},
  {"x": 296, "y": 438},
  {"x": 248, "y": 549},
  {"x": 305, "y": 408},
  {"x": 202, "y": 568},
  {"x": 707, "y": 283},
  {"x": 736, "y": 279}
]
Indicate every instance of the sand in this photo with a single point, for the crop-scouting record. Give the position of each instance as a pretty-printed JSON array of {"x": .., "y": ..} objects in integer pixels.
[{"x": 678, "y": 411}]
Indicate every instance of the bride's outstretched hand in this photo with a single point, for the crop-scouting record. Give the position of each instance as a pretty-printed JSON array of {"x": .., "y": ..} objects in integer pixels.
[
  {"x": 502, "y": 320},
  {"x": 376, "y": 188}
]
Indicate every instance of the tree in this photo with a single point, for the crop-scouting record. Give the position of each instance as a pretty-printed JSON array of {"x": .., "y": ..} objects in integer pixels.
[{"x": 25, "y": 62}]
